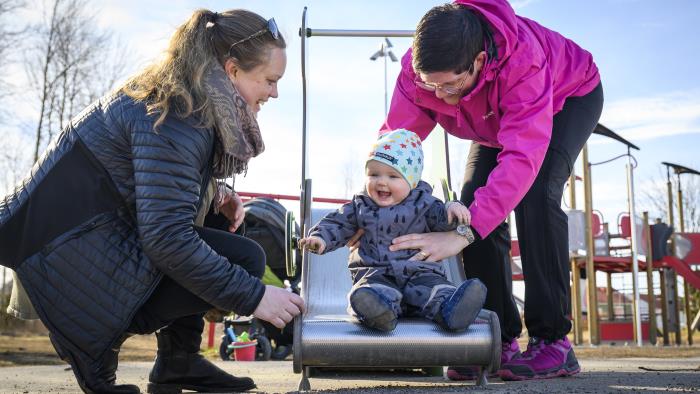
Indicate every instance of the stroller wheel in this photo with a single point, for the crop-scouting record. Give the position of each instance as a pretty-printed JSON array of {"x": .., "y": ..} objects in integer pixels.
[
  {"x": 224, "y": 351},
  {"x": 263, "y": 350}
]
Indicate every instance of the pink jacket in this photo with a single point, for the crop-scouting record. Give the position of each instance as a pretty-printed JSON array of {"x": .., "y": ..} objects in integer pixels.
[{"x": 511, "y": 107}]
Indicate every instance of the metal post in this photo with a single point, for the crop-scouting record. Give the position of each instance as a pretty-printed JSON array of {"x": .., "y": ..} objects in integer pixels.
[
  {"x": 576, "y": 305},
  {"x": 681, "y": 226},
  {"x": 593, "y": 331},
  {"x": 669, "y": 190},
  {"x": 688, "y": 322},
  {"x": 356, "y": 33},
  {"x": 677, "y": 306},
  {"x": 651, "y": 299},
  {"x": 386, "y": 95},
  {"x": 665, "y": 319},
  {"x": 664, "y": 307},
  {"x": 686, "y": 289},
  {"x": 304, "y": 116},
  {"x": 633, "y": 246},
  {"x": 575, "y": 274},
  {"x": 609, "y": 297}
]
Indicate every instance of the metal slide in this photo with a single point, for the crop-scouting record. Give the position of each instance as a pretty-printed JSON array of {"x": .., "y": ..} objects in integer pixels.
[{"x": 327, "y": 336}]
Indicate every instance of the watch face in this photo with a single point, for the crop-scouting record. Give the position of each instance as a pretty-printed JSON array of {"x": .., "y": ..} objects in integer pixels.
[{"x": 462, "y": 229}]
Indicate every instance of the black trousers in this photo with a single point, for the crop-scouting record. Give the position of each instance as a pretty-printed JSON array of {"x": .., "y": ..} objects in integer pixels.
[
  {"x": 173, "y": 305},
  {"x": 541, "y": 225}
]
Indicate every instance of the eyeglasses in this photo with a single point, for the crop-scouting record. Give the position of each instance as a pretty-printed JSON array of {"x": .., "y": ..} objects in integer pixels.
[
  {"x": 271, "y": 27},
  {"x": 451, "y": 90}
]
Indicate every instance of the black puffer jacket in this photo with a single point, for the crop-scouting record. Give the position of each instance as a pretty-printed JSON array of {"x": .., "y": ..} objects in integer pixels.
[{"x": 104, "y": 214}]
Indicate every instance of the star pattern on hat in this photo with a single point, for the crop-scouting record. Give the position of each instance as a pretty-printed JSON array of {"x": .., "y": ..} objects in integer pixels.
[{"x": 400, "y": 149}]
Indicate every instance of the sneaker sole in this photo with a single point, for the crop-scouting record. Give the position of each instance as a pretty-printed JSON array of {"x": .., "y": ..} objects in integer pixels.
[
  {"x": 506, "y": 374},
  {"x": 467, "y": 308}
]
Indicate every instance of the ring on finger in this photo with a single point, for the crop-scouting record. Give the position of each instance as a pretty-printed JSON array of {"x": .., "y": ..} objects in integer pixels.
[{"x": 423, "y": 255}]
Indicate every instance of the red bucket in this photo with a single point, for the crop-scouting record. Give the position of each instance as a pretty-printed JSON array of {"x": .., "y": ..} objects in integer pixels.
[{"x": 244, "y": 351}]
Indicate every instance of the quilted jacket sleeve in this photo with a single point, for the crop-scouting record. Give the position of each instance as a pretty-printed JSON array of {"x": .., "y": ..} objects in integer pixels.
[
  {"x": 167, "y": 174},
  {"x": 337, "y": 227}
]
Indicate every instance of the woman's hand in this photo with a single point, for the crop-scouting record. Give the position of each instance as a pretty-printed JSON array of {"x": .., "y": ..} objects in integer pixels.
[
  {"x": 432, "y": 246},
  {"x": 279, "y": 306},
  {"x": 232, "y": 208}
]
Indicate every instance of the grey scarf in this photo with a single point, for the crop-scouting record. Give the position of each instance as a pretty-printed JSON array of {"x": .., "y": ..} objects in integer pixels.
[{"x": 238, "y": 136}]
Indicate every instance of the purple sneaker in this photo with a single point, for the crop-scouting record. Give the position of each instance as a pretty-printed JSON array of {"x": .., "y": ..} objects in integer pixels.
[
  {"x": 509, "y": 351},
  {"x": 542, "y": 360}
]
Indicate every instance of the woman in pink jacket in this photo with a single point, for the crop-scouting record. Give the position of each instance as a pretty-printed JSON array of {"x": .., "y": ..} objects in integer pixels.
[{"x": 529, "y": 99}]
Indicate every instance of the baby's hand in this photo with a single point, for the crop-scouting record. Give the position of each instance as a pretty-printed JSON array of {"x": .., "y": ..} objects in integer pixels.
[
  {"x": 313, "y": 244},
  {"x": 456, "y": 211}
]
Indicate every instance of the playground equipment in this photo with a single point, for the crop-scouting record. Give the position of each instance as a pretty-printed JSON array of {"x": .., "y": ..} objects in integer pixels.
[
  {"x": 588, "y": 233},
  {"x": 668, "y": 272},
  {"x": 326, "y": 336},
  {"x": 590, "y": 260},
  {"x": 640, "y": 238}
]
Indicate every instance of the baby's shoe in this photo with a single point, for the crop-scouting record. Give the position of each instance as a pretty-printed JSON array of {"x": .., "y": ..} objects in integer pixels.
[
  {"x": 460, "y": 310},
  {"x": 373, "y": 310}
]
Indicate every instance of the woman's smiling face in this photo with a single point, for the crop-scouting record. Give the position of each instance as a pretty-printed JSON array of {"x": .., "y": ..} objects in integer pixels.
[{"x": 259, "y": 84}]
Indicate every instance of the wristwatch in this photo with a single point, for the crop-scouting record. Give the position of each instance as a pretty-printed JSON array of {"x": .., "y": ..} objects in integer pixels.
[{"x": 466, "y": 231}]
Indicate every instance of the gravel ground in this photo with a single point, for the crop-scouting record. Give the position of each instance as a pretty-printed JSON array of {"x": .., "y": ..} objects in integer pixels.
[{"x": 619, "y": 375}]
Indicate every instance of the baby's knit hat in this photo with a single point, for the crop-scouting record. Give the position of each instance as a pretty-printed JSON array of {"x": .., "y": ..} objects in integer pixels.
[{"x": 402, "y": 150}]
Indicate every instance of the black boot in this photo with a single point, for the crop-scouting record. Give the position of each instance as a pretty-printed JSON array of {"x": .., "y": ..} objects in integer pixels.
[
  {"x": 179, "y": 366},
  {"x": 96, "y": 377}
]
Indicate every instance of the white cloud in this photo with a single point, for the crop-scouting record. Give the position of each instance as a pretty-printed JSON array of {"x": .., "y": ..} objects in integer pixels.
[
  {"x": 650, "y": 117},
  {"x": 520, "y": 4}
]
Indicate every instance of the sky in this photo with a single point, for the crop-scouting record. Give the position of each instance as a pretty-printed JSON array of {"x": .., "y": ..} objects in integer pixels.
[{"x": 644, "y": 49}]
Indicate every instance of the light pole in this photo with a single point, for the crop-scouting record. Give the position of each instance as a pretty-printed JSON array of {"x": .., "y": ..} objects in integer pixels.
[{"x": 385, "y": 51}]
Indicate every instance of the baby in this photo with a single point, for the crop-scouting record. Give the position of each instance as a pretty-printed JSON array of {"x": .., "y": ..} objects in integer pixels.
[{"x": 396, "y": 202}]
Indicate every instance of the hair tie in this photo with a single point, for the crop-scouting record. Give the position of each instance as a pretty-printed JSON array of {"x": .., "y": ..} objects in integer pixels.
[{"x": 213, "y": 17}]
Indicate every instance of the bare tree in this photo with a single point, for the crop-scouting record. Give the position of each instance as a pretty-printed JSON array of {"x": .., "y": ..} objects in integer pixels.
[
  {"x": 9, "y": 38},
  {"x": 655, "y": 200},
  {"x": 350, "y": 173},
  {"x": 14, "y": 163},
  {"x": 72, "y": 63}
]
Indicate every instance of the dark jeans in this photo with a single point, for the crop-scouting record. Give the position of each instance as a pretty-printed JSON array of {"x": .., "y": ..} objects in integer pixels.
[
  {"x": 542, "y": 229},
  {"x": 170, "y": 301}
]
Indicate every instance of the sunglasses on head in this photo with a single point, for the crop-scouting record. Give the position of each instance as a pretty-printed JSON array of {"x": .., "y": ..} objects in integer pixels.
[{"x": 271, "y": 28}]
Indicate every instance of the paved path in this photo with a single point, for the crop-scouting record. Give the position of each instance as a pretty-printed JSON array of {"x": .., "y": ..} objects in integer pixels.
[{"x": 609, "y": 375}]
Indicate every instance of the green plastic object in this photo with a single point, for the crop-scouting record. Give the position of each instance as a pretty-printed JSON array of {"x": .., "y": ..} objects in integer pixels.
[
  {"x": 269, "y": 278},
  {"x": 243, "y": 337}
]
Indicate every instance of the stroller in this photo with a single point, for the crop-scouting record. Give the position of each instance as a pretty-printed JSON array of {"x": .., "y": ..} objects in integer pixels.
[{"x": 264, "y": 223}]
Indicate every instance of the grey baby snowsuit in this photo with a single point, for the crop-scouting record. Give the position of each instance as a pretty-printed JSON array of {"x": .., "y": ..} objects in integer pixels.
[{"x": 412, "y": 288}]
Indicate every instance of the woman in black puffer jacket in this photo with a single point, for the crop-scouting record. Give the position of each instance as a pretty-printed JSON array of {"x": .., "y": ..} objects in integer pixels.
[{"x": 105, "y": 234}]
